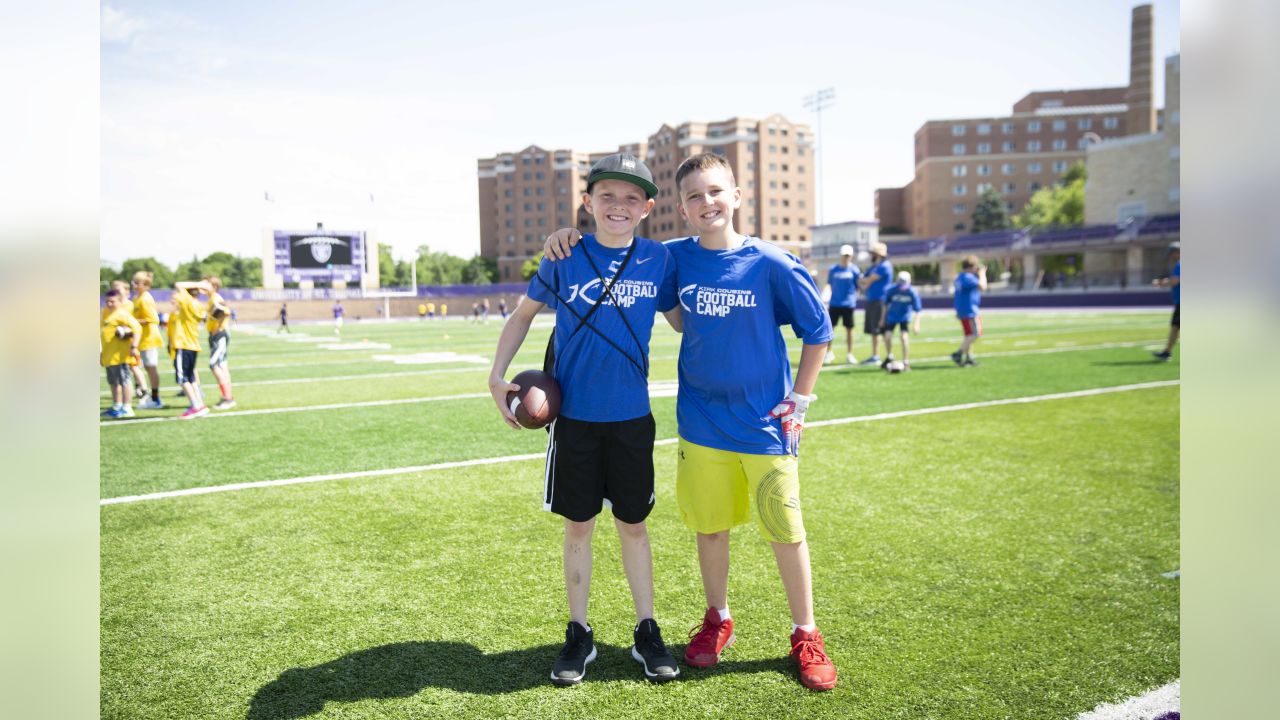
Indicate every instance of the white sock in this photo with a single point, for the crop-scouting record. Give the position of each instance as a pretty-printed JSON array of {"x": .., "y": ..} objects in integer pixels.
[
  {"x": 584, "y": 626},
  {"x": 724, "y": 613},
  {"x": 806, "y": 628}
]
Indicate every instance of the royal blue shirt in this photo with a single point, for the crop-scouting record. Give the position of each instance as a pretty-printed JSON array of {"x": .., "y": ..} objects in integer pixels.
[
  {"x": 844, "y": 285},
  {"x": 877, "y": 289},
  {"x": 968, "y": 295},
  {"x": 903, "y": 302},
  {"x": 1177, "y": 289},
  {"x": 733, "y": 359},
  {"x": 598, "y": 381}
]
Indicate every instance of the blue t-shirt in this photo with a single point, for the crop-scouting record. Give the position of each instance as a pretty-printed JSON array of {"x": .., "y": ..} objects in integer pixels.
[
  {"x": 1177, "y": 289},
  {"x": 877, "y": 289},
  {"x": 968, "y": 296},
  {"x": 903, "y": 302},
  {"x": 844, "y": 285},
  {"x": 733, "y": 358},
  {"x": 598, "y": 382}
]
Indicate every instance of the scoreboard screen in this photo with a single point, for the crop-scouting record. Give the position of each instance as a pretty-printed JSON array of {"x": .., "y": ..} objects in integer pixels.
[{"x": 319, "y": 255}]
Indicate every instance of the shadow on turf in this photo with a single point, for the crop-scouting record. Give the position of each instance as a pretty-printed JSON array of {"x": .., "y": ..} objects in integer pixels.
[{"x": 404, "y": 669}]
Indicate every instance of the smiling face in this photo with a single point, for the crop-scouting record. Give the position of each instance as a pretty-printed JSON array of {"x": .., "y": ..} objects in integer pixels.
[
  {"x": 708, "y": 199},
  {"x": 618, "y": 207}
]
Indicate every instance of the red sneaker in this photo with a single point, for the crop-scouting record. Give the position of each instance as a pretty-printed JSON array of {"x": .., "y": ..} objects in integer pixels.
[
  {"x": 194, "y": 412},
  {"x": 817, "y": 672},
  {"x": 707, "y": 640}
]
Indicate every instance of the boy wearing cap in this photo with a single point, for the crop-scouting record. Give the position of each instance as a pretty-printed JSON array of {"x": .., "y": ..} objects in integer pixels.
[
  {"x": 902, "y": 304},
  {"x": 740, "y": 416},
  {"x": 1174, "y": 282},
  {"x": 874, "y": 285},
  {"x": 600, "y": 448},
  {"x": 842, "y": 297},
  {"x": 118, "y": 338},
  {"x": 969, "y": 285}
]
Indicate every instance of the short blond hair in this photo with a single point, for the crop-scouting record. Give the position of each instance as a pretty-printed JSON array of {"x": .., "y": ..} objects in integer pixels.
[
  {"x": 144, "y": 278},
  {"x": 214, "y": 281},
  {"x": 703, "y": 161}
]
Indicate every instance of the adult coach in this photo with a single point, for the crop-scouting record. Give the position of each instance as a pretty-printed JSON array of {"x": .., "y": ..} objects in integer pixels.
[
  {"x": 842, "y": 298},
  {"x": 875, "y": 285},
  {"x": 1174, "y": 282}
]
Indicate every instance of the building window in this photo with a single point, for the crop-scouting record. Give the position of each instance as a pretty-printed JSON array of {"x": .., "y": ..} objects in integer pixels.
[
  {"x": 958, "y": 149},
  {"x": 984, "y": 128},
  {"x": 538, "y": 175},
  {"x": 1008, "y": 146},
  {"x": 773, "y": 167},
  {"x": 959, "y": 170},
  {"x": 984, "y": 148},
  {"x": 984, "y": 170},
  {"x": 1006, "y": 128},
  {"x": 528, "y": 207},
  {"x": 751, "y": 166},
  {"x": 959, "y": 189},
  {"x": 527, "y": 176},
  {"x": 1084, "y": 124},
  {"x": 1059, "y": 144},
  {"x": 959, "y": 208},
  {"x": 1083, "y": 143},
  {"x": 507, "y": 192},
  {"x": 1060, "y": 166},
  {"x": 957, "y": 131},
  {"x": 1034, "y": 167},
  {"x": 773, "y": 148},
  {"x": 983, "y": 187},
  {"x": 524, "y": 191},
  {"x": 1033, "y": 126},
  {"x": 1008, "y": 188},
  {"x": 1033, "y": 146},
  {"x": 1034, "y": 186},
  {"x": 785, "y": 167},
  {"x": 1008, "y": 169},
  {"x": 1111, "y": 123},
  {"x": 1059, "y": 125},
  {"x": 773, "y": 202}
]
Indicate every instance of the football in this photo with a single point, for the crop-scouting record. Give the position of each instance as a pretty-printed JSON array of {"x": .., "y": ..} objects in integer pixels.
[
  {"x": 220, "y": 311},
  {"x": 123, "y": 331},
  {"x": 895, "y": 367},
  {"x": 537, "y": 402}
]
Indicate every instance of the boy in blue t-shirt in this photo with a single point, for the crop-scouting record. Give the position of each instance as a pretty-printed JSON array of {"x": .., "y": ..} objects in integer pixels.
[
  {"x": 842, "y": 298},
  {"x": 969, "y": 285},
  {"x": 1174, "y": 282},
  {"x": 902, "y": 303},
  {"x": 739, "y": 414},
  {"x": 875, "y": 284},
  {"x": 600, "y": 448}
]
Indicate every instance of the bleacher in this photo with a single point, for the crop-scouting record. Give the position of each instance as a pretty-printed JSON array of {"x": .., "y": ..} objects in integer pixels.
[
  {"x": 984, "y": 241},
  {"x": 1074, "y": 235},
  {"x": 916, "y": 247},
  {"x": 1161, "y": 224}
]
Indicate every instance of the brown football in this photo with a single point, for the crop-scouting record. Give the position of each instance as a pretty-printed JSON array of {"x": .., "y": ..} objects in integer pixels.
[{"x": 537, "y": 402}]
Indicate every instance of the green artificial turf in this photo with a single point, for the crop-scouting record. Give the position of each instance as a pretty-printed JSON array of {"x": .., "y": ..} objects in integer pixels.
[{"x": 1000, "y": 562}]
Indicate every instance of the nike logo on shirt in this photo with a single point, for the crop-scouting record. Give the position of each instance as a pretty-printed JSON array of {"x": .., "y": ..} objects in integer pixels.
[{"x": 641, "y": 262}]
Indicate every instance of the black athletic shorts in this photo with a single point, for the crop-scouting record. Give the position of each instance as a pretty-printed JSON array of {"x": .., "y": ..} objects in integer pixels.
[
  {"x": 840, "y": 314},
  {"x": 871, "y": 317},
  {"x": 904, "y": 326},
  {"x": 1174, "y": 321},
  {"x": 591, "y": 463},
  {"x": 184, "y": 366}
]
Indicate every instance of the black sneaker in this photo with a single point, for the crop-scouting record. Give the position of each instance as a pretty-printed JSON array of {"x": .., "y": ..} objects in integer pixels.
[
  {"x": 970, "y": 362},
  {"x": 579, "y": 649},
  {"x": 957, "y": 358},
  {"x": 1162, "y": 356},
  {"x": 885, "y": 365},
  {"x": 651, "y": 652}
]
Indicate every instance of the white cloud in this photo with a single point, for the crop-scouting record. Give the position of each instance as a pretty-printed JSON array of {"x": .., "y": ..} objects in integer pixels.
[{"x": 118, "y": 26}]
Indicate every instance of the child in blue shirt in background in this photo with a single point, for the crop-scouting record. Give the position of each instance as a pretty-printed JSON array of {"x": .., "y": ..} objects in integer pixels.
[
  {"x": 969, "y": 285},
  {"x": 875, "y": 284},
  {"x": 903, "y": 304},
  {"x": 842, "y": 298},
  {"x": 1174, "y": 283}
]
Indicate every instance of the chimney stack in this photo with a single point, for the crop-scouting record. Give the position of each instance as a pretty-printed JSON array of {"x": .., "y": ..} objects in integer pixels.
[{"x": 1141, "y": 117}]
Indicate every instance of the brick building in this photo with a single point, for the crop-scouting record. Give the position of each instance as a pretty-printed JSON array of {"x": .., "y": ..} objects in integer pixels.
[
  {"x": 1017, "y": 154},
  {"x": 526, "y": 195}
]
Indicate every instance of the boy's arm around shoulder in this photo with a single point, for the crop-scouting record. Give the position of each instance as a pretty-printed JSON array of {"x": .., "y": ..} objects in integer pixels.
[
  {"x": 514, "y": 331},
  {"x": 560, "y": 243}
]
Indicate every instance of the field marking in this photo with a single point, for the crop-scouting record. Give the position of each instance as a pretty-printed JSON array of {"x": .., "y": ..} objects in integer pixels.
[
  {"x": 478, "y": 368},
  {"x": 657, "y": 388},
  {"x": 665, "y": 441},
  {"x": 1152, "y": 705}
]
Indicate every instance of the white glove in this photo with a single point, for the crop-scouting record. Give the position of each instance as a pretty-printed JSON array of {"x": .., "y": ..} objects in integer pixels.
[{"x": 791, "y": 412}]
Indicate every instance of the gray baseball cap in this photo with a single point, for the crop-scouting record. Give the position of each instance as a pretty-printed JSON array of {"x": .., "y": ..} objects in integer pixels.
[{"x": 625, "y": 167}]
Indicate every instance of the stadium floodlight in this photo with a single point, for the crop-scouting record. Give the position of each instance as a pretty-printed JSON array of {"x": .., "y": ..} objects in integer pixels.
[{"x": 817, "y": 102}]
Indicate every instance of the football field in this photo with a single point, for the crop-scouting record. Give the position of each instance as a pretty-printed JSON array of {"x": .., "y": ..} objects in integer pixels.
[{"x": 362, "y": 537}]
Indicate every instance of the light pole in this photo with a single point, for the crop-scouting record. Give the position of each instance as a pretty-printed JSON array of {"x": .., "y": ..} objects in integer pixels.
[{"x": 818, "y": 102}]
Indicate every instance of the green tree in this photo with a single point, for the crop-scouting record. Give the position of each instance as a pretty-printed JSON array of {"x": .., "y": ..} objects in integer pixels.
[
  {"x": 480, "y": 271},
  {"x": 1060, "y": 205},
  {"x": 530, "y": 266},
  {"x": 162, "y": 275},
  {"x": 192, "y": 270},
  {"x": 990, "y": 213},
  {"x": 386, "y": 266},
  {"x": 106, "y": 274}
]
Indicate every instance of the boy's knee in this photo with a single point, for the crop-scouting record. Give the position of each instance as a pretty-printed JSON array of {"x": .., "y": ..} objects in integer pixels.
[
  {"x": 631, "y": 530},
  {"x": 718, "y": 537},
  {"x": 576, "y": 529}
]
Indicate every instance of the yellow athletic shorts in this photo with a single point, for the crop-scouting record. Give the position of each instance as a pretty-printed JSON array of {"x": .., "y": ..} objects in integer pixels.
[{"x": 714, "y": 489}]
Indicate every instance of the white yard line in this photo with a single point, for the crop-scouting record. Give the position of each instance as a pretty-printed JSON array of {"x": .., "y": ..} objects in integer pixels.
[
  {"x": 1149, "y": 706},
  {"x": 665, "y": 441}
]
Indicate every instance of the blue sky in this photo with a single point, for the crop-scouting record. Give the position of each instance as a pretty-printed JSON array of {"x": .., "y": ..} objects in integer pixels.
[{"x": 207, "y": 106}]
